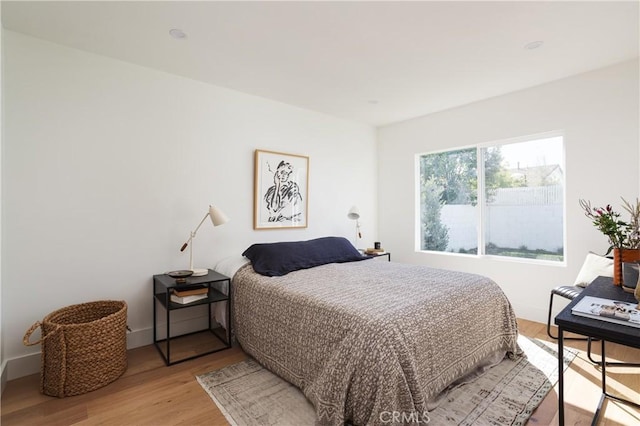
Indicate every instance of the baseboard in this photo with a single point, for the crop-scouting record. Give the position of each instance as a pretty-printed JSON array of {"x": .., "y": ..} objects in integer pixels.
[
  {"x": 30, "y": 364},
  {"x": 530, "y": 313},
  {"x": 23, "y": 366},
  {"x": 138, "y": 338},
  {"x": 538, "y": 313},
  {"x": 3, "y": 377}
]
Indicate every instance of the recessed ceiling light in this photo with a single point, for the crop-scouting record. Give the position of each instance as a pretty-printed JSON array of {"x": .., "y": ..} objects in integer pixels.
[
  {"x": 177, "y": 34},
  {"x": 533, "y": 45}
]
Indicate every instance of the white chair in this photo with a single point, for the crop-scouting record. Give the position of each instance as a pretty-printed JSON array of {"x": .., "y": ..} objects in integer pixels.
[{"x": 593, "y": 267}]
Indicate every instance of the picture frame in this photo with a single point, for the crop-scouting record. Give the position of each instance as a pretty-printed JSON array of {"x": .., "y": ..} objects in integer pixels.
[{"x": 280, "y": 190}]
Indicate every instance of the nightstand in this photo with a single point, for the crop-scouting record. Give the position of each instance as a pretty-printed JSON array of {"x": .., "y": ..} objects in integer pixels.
[
  {"x": 388, "y": 254},
  {"x": 195, "y": 343}
]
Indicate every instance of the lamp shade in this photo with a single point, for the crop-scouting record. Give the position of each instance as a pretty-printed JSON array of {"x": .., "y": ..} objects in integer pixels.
[
  {"x": 217, "y": 216},
  {"x": 354, "y": 213}
]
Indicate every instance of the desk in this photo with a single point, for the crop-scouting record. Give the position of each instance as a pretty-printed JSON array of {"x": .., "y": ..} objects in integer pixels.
[{"x": 605, "y": 331}]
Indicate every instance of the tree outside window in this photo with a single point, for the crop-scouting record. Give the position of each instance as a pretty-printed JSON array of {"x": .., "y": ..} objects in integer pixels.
[{"x": 521, "y": 200}]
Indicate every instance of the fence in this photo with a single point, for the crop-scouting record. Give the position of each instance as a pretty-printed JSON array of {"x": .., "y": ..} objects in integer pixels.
[
  {"x": 516, "y": 217},
  {"x": 528, "y": 196}
]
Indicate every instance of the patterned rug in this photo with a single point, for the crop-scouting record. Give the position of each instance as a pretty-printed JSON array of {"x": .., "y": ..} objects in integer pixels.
[{"x": 506, "y": 394}]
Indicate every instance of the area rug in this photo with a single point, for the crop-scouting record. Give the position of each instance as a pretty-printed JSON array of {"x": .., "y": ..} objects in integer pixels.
[{"x": 506, "y": 394}]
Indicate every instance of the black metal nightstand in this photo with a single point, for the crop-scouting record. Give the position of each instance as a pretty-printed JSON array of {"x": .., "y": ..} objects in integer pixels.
[
  {"x": 163, "y": 286},
  {"x": 388, "y": 254}
]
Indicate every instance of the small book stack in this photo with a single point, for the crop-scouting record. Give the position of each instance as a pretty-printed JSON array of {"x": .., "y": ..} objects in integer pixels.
[
  {"x": 374, "y": 251},
  {"x": 189, "y": 295}
]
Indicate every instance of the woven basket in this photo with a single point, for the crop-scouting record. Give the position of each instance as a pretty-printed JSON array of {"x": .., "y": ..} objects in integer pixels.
[{"x": 84, "y": 347}]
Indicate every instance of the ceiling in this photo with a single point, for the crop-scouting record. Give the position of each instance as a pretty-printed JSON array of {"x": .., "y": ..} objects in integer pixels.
[{"x": 372, "y": 62}]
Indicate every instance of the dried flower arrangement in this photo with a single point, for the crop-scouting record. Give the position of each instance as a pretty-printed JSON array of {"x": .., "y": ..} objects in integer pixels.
[{"x": 621, "y": 234}]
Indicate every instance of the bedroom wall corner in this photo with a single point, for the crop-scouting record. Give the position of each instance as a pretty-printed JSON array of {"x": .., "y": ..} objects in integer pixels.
[
  {"x": 3, "y": 364},
  {"x": 598, "y": 112},
  {"x": 120, "y": 162}
]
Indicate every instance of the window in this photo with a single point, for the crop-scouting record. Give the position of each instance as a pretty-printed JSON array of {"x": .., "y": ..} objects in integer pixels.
[{"x": 505, "y": 198}]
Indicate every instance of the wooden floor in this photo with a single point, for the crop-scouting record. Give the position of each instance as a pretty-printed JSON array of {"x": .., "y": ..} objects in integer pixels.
[{"x": 151, "y": 394}]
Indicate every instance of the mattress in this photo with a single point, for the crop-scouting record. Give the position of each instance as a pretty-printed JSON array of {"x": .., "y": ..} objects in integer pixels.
[{"x": 362, "y": 339}]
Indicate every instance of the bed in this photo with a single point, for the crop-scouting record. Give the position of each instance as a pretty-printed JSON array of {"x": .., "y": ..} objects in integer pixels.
[{"x": 365, "y": 338}]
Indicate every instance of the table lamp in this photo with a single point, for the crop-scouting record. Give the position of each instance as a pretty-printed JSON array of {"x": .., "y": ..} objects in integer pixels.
[
  {"x": 217, "y": 218},
  {"x": 354, "y": 214}
]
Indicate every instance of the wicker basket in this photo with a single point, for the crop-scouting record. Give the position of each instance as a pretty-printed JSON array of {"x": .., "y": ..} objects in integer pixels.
[{"x": 84, "y": 347}]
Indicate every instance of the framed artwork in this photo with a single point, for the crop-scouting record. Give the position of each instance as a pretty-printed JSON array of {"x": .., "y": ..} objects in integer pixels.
[{"x": 280, "y": 191}]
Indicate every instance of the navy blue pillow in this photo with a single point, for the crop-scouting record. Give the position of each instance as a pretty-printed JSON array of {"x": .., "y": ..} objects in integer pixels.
[{"x": 277, "y": 259}]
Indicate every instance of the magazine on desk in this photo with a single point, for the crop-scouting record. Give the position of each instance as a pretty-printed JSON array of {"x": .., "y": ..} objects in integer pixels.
[{"x": 608, "y": 310}]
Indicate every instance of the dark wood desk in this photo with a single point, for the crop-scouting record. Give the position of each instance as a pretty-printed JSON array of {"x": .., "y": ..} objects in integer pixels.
[{"x": 605, "y": 331}]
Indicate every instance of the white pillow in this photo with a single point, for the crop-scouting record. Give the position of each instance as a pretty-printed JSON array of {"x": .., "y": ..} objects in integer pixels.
[
  {"x": 229, "y": 265},
  {"x": 593, "y": 267}
]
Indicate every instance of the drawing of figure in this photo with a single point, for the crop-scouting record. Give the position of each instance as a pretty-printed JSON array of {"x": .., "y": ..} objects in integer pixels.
[{"x": 284, "y": 196}]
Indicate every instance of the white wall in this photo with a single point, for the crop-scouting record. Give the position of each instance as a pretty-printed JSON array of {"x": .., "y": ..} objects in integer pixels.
[
  {"x": 3, "y": 377},
  {"x": 108, "y": 166},
  {"x": 598, "y": 112}
]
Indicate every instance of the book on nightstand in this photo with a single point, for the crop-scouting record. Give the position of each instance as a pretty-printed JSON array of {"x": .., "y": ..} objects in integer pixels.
[
  {"x": 188, "y": 299},
  {"x": 608, "y": 310},
  {"x": 373, "y": 251},
  {"x": 191, "y": 291}
]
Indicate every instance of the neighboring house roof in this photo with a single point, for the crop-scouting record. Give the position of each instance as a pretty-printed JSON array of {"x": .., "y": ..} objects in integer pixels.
[{"x": 538, "y": 175}]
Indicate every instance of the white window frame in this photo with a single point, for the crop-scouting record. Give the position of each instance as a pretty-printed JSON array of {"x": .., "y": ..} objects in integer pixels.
[{"x": 481, "y": 211}]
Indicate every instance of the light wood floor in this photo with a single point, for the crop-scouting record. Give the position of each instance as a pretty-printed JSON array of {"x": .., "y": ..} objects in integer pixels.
[{"x": 151, "y": 394}]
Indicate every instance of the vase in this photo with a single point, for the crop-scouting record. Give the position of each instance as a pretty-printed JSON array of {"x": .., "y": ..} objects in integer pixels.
[
  {"x": 621, "y": 255},
  {"x": 630, "y": 272}
]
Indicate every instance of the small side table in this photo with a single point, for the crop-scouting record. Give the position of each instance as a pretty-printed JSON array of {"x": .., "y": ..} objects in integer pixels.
[
  {"x": 388, "y": 254},
  {"x": 163, "y": 286},
  {"x": 604, "y": 331}
]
